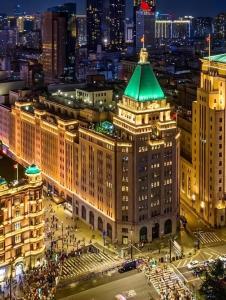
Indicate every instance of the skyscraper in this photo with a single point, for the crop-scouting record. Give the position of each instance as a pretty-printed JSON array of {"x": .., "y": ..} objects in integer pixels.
[
  {"x": 145, "y": 26},
  {"x": 117, "y": 24},
  {"x": 69, "y": 11},
  {"x": 54, "y": 36},
  {"x": 220, "y": 26},
  {"x": 94, "y": 11}
]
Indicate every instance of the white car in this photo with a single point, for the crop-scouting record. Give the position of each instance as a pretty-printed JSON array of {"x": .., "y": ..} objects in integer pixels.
[
  {"x": 192, "y": 264},
  {"x": 209, "y": 262},
  {"x": 222, "y": 258}
]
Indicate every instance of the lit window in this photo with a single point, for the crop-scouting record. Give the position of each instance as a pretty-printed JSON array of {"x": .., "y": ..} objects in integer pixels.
[
  {"x": 17, "y": 226},
  {"x": 18, "y": 238}
]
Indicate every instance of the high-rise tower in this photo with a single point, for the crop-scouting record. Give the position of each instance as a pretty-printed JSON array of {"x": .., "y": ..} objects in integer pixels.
[
  {"x": 117, "y": 24},
  {"x": 94, "y": 11},
  {"x": 54, "y": 37},
  {"x": 148, "y": 199}
]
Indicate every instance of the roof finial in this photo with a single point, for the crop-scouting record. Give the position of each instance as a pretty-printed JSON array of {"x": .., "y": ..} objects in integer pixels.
[
  {"x": 143, "y": 40},
  {"x": 143, "y": 56}
]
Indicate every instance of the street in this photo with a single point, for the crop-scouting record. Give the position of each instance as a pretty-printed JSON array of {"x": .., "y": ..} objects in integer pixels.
[{"x": 134, "y": 285}]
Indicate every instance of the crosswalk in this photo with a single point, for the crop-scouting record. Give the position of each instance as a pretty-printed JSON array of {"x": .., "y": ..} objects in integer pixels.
[
  {"x": 87, "y": 263},
  {"x": 208, "y": 237}
]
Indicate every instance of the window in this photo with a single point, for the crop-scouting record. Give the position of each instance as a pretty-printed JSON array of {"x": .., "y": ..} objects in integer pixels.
[
  {"x": 18, "y": 251},
  {"x": 17, "y": 238},
  {"x": 17, "y": 226},
  {"x": 1, "y": 245},
  {"x": 17, "y": 213}
]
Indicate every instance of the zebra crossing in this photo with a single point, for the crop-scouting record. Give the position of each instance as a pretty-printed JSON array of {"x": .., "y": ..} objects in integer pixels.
[
  {"x": 208, "y": 237},
  {"x": 87, "y": 263}
]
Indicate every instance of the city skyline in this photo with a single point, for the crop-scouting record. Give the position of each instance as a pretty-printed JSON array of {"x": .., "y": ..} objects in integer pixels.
[{"x": 177, "y": 7}]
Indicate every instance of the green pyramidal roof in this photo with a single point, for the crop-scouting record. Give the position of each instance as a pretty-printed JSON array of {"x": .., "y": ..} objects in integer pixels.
[
  {"x": 143, "y": 85},
  {"x": 221, "y": 58}
]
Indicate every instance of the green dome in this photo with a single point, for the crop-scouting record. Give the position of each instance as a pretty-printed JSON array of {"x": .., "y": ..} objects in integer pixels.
[
  {"x": 2, "y": 181},
  {"x": 32, "y": 170},
  {"x": 143, "y": 85}
]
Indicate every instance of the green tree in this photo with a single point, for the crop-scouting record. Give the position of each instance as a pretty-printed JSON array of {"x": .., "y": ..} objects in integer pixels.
[{"x": 214, "y": 284}]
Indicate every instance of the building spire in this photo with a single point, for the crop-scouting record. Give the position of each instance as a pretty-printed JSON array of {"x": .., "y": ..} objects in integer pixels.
[{"x": 143, "y": 56}]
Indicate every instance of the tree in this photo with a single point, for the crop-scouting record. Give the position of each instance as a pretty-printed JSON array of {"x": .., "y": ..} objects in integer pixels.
[{"x": 214, "y": 284}]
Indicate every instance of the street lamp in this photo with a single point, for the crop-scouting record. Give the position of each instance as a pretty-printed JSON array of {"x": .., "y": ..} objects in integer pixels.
[
  {"x": 131, "y": 243},
  {"x": 10, "y": 278},
  {"x": 62, "y": 235}
]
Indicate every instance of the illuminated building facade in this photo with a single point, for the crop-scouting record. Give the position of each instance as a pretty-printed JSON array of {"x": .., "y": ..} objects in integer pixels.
[
  {"x": 119, "y": 172},
  {"x": 203, "y": 177},
  {"x": 173, "y": 29},
  {"x": 21, "y": 224}
]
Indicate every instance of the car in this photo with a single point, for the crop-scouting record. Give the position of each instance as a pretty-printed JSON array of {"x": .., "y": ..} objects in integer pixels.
[
  {"x": 192, "y": 264},
  {"x": 128, "y": 266},
  {"x": 209, "y": 262},
  {"x": 222, "y": 258}
]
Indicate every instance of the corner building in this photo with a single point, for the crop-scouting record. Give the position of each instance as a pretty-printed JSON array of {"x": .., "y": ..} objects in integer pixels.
[
  {"x": 202, "y": 167},
  {"x": 208, "y": 137},
  {"x": 21, "y": 224},
  {"x": 149, "y": 167},
  {"x": 120, "y": 174}
]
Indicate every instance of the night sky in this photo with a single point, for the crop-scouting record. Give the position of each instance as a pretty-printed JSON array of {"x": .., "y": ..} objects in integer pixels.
[{"x": 177, "y": 7}]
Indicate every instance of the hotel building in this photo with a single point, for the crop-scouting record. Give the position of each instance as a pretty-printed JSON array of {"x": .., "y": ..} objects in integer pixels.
[
  {"x": 203, "y": 172},
  {"x": 21, "y": 224},
  {"x": 118, "y": 172}
]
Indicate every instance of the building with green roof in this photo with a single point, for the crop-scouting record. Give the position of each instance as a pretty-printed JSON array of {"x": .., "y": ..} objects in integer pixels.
[{"x": 147, "y": 158}]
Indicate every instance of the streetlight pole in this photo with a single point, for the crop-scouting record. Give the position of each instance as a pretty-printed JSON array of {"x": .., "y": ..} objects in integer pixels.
[
  {"x": 170, "y": 248},
  {"x": 62, "y": 236},
  {"x": 131, "y": 244}
]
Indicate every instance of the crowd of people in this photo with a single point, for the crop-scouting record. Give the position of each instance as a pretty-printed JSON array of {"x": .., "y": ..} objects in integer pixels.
[
  {"x": 165, "y": 281},
  {"x": 40, "y": 283}
]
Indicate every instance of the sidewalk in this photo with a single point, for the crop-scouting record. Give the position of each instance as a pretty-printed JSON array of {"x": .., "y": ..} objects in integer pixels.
[{"x": 74, "y": 231}]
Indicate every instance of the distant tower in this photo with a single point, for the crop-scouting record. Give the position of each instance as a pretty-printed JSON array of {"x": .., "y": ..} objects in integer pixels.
[
  {"x": 145, "y": 25},
  {"x": 18, "y": 10},
  {"x": 54, "y": 39},
  {"x": 117, "y": 24},
  {"x": 94, "y": 12}
]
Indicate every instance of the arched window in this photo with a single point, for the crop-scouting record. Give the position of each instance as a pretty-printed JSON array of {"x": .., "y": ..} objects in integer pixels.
[
  {"x": 84, "y": 212},
  {"x": 91, "y": 218},
  {"x": 168, "y": 227},
  {"x": 109, "y": 230},
  {"x": 100, "y": 225},
  {"x": 143, "y": 234}
]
